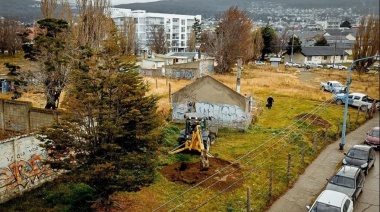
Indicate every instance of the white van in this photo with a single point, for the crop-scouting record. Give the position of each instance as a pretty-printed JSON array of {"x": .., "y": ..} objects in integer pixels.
[{"x": 310, "y": 64}]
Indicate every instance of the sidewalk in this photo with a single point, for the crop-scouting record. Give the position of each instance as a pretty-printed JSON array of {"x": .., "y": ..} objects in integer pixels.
[{"x": 313, "y": 180}]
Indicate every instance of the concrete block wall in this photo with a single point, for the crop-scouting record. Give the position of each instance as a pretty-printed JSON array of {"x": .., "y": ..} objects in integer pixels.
[{"x": 18, "y": 116}]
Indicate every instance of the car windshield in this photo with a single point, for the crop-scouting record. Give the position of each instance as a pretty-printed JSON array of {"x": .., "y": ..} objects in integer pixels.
[
  {"x": 322, "y": 207},
  {"x": 357, "y": 154},
  {"x": 374, "y": 133},
  {"x": 337, "y": 84},
  {"x": 343, "y": 181}
]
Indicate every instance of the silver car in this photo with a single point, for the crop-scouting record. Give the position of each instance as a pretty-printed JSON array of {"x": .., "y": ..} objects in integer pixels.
[{"x": 348, "y": 180}]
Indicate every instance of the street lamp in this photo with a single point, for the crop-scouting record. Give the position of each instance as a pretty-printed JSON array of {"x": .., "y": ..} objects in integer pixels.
[{"x": 341, "y": 144}]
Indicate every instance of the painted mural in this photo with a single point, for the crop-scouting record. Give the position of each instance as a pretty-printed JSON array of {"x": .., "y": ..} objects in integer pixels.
[
  {"x": 224, "y": 115},
  {"x": 21, "y": 165}
]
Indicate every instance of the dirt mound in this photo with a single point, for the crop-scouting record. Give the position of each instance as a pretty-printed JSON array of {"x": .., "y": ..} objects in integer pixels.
[
  {"x": 314, "y": 119},
  {"x": 221, "y": 174}
]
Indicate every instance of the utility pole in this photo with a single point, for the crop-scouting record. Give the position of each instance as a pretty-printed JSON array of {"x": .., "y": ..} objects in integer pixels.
[
  {"x": 341, "y": 144},
  {"x": 334, "y": 53},
  {"x": 239, "y": 66},
  {"x": 291, "y": 55}
]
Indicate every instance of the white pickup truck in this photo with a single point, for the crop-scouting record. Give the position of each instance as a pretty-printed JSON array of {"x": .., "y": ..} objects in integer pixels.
[
  {"x": 336, "y": 66},
  {"x": 359, "y": 100},
  {"x": 332, "y": 86}
]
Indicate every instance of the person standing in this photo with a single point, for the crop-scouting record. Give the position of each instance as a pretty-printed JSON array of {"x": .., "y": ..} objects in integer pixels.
[{"x": 270, "y": 101}]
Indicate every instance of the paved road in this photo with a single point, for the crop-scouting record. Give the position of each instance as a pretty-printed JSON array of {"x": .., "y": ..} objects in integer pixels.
[{"x": 313, "y": 180}]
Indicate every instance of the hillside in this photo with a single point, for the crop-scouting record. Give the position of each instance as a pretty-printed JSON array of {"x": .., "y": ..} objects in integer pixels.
[
  {"x": 210, "y": 8},
  {"x": 27, "y": 10}
]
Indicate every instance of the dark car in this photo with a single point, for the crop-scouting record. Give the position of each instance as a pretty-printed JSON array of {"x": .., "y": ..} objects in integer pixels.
[
  {"x": 348, "y": 180},
  {"x": 373, "y": 138},
  {"x": 361, "y": 156}
]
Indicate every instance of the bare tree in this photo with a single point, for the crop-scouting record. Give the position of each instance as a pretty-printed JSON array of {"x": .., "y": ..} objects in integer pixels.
[
  {"x": 191, "y": 42},
  {"x": 157, "y": 40},
  {"x": 93, "y": 23},
  {"x": 280, "y": 42},
  {"x": 48, "y": 8},
  {"x": 9, "y": 41},
  {"x": 230, "y": 39},
  {"x": 367, "y": 42},
  {"x": 128, "y": 36},
  {"x": 257, "y": 44}
]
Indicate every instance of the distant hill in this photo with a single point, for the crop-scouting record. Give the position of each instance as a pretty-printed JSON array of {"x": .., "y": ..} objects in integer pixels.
[
  {"x": 209, "y": 8},
  {"x": 24, "y": 10}
]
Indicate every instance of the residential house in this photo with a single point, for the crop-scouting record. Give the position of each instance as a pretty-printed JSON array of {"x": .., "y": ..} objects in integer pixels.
[
  {"x": 179, "y": 65},
  {"x": 319, "y": 54},
  {"x": 212, "y": 98}
]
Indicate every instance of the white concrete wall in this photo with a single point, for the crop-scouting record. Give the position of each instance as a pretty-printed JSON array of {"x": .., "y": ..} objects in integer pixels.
[{"x": 21, "y": 166}]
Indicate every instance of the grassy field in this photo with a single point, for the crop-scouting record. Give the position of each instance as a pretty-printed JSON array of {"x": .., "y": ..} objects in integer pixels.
[{"x": 295, "y": 126}]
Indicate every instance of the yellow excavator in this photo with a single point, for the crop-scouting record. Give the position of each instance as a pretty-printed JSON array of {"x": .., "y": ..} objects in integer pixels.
[{"x": 197, "y": 136}]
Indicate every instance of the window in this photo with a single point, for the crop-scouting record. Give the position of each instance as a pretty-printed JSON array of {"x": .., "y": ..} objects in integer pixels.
[
  {"x": 309, "y": 58},
  {"x": 356, "y": 97},
  {"x": 341, "y": 57},
  {"x": 346, "y": 205},
  {"x": 324, "y": 57},
  {"x": 183, "y": 22},
  {"x": 182, "y": 36},
  {"x": 182, "y": 29}
]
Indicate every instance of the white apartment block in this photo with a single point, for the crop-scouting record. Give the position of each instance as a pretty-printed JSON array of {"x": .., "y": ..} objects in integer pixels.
[{"x": 177, "y": 27}]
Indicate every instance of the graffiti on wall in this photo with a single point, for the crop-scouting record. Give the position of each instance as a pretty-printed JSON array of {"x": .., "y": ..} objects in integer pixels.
[
  {"x": 21, "y": 165},
  {"x": 225, "y": 115},
  {"x": 206, "y": 68},
  {"x": 183, "y": 74}
]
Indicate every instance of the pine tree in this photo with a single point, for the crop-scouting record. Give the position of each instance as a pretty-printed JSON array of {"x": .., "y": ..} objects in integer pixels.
[{"x": 109, "y": 137}]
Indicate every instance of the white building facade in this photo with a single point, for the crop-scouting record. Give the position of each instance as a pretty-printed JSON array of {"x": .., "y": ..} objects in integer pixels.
[{"x": 177, "y": 27}]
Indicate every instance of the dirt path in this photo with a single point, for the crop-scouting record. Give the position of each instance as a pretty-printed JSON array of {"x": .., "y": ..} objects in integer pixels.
[{"x": 308, "y": 77}]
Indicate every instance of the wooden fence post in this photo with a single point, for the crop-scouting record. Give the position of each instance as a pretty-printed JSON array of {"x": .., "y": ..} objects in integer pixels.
[
  {"x": 315, "y": 142},
  {"x": 270, "y": 186},
  {"x": 303, "y": 153},
  {"x": 326, "y": 133},
  {"x": 288, "y": 171},
  {"x": 170, "y": 93},
  {"x": 248, "y": 199},
  {"x": 156, "y": 84}
]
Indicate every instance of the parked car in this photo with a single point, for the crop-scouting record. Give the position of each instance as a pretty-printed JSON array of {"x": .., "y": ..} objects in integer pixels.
[
  {"x": 359, "y": 100},
  {"x": 332, "y": 86},
  {"x": 259, "y": 63},
  {"x": 292, "y": 64},
  {"x": 360, "y": 156},
  {"x": 372, "y": 138},
  {"x": 313, "y": 65},
  {"x": 348, "y": 180},
  {"x": 336, "y": 66},
  {"x": 332, "y": 201}
]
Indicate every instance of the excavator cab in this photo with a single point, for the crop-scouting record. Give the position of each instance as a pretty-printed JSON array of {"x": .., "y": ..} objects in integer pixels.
[{"x": 196, "y": 135}]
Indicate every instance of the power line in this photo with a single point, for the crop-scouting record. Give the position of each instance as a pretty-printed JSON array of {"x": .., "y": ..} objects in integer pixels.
[{"x": 244, "y": 156}]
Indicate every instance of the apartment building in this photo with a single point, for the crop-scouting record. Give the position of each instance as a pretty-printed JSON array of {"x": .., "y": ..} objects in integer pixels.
[{"x": 177, "y": 27}]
